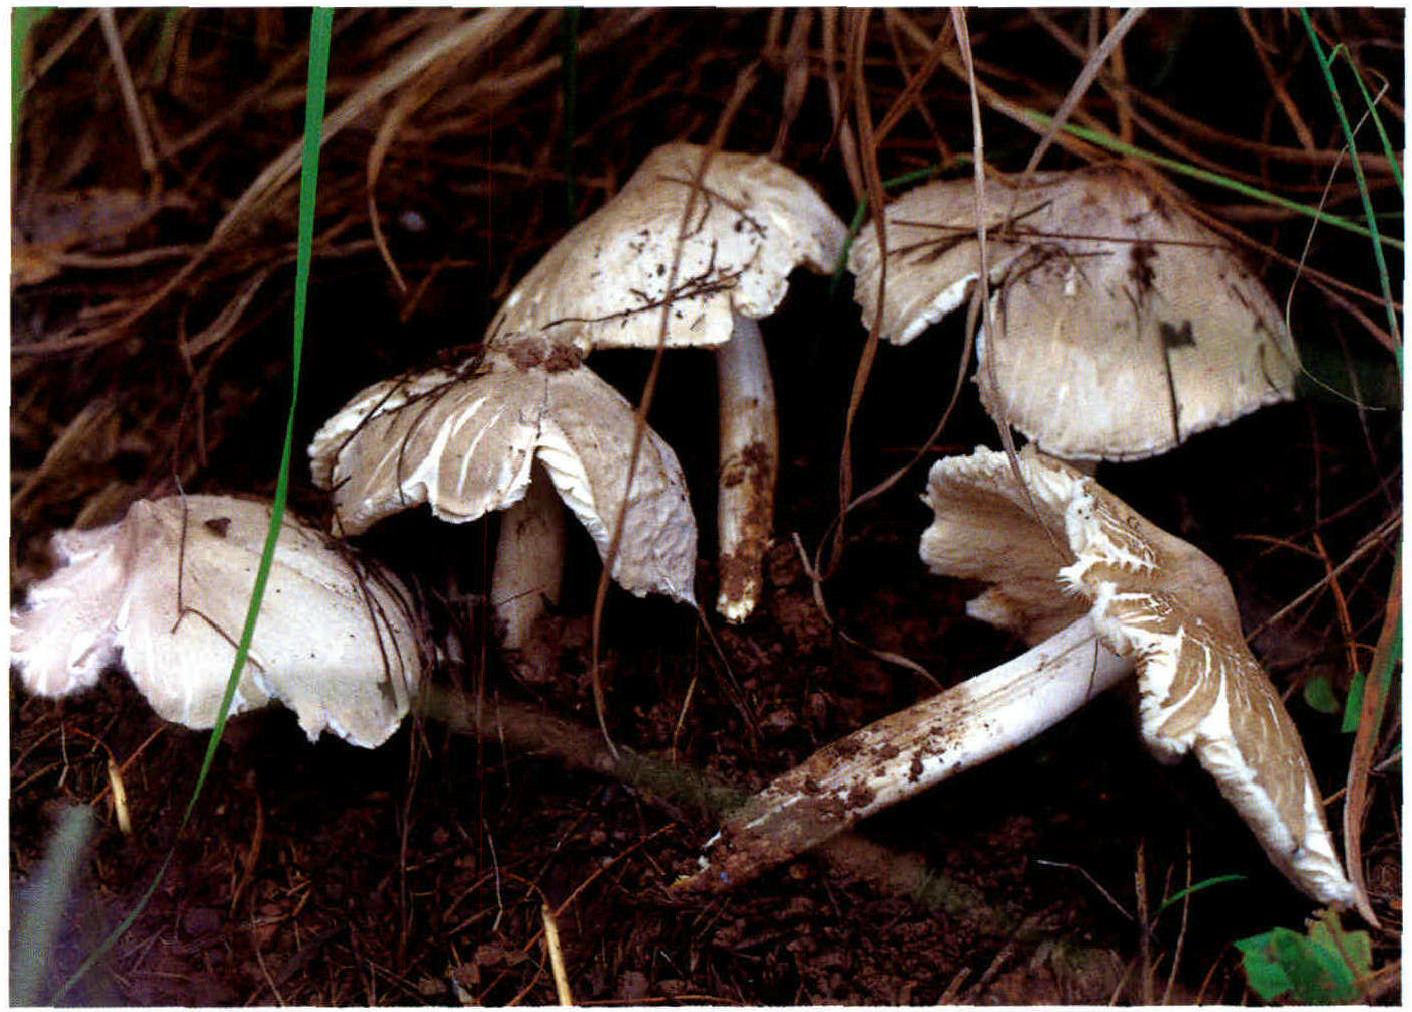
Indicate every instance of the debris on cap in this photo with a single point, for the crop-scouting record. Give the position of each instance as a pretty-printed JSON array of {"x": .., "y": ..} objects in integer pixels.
[
  {"x": 604, "y": 284},
  {"x": 164, "y": 593},
  {"x": 1101, "y": 593},
  {"x": 1157, "y": 600},
  {"x": 1123, "y": 324},
  {"x": 463, "y": 441}
]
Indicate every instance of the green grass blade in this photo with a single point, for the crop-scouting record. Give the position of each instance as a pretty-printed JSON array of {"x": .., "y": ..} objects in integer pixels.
[
  {"x": 1326, "y": 65},
  {"x": 1196, "y": 887},
  {"x": 22, "y": 22},
  {"x": 320, "y": 37},
  {"x": 861, "y": 215},
  {"x": 166, "y": 41},
  {"x": 1389, "y": 152},
  {"x": 1112, "y": 143}
]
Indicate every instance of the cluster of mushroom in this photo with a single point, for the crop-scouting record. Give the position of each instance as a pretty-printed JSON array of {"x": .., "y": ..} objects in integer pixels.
[
  {"x": 1118, "y": 326},
  {"x": 162, "y": 591},
  {"x": 691, "y": 252}
]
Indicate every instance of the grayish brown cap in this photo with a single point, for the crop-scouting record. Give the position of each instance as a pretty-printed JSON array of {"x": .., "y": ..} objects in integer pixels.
[
  {"x": 462, "y": 441},
  {"x": 1125, "y": 324},
  {"x": 1156, "y": 599},
  {"x": 604, "y": 283},
  {"x": 164, "y": 592}
]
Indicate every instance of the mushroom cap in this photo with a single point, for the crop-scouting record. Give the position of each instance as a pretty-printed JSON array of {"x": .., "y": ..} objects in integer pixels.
[
  {"x": 1153, "y": 598},
  {"x": 605, "y": 282},
  {"x": 463, "y": 441},
  {"x": 165, "y": 590},
  {"x": 1124, "y": 325}
]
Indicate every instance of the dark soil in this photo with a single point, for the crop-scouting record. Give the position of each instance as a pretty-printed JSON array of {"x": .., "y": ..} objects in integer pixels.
[{"x": 417, "y": 873}]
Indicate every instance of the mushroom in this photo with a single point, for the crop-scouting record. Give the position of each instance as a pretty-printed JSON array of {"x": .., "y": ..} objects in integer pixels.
[
  {"x": 164, "y": 593},
  {"x": 605, "y": 283},
  {"x": 470, "y": 439},
  {"x": 1102, "y": 592},
  {"x": 1123, "y": 324}
]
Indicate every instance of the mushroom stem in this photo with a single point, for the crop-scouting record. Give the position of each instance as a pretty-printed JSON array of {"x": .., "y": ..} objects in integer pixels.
[
  {"x": 908, "y": 752},
  {"x": 749, "y": 454},
  {"x": 529, "y": 560}
]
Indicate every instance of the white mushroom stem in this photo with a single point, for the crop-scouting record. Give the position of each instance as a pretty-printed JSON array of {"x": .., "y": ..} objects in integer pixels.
[
  {"x": 906, "y": 753},
  {"x": 749, "y": 454},
  {"x": 529, "y": 560}
]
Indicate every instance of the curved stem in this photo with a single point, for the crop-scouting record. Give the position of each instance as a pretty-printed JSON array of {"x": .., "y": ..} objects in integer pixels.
[
  {"x": 749, "y": 455},
  {"x": 904, "y": 754},
  {"x": 529, "y": 561}
]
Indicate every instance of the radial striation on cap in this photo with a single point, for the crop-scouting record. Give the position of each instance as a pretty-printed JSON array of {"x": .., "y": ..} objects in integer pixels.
[
  {"x": 164, "y": 593},
  {"x": 1122, "y": 325},
  {"x": 463, "y": 441},
  {"x": 604, "y": 284},
  {"x": 1155, "y": 599}
]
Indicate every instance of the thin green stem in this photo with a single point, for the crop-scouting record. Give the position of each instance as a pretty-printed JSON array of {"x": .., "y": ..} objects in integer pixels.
[
  {"x": 1112, "y": 143},
  {"x": 320, "y": 38},
  {"x": 1326, "y": 65},
  {"x": 861, "y": 214},
  {"x": 1389, "y": 152},
  {"x": 22, "y": 22},
  {"x": 161, "y": 61}
]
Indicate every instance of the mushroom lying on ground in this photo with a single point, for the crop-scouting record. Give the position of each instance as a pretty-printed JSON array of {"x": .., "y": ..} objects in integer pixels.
[
  {"x": 164, "y": 592},
  {"x": 1124, "y": 324},
  {"x": 605, "y": 283},
  {"x": 1101, "y": 591},
  {"x": 468, "y": 440}
]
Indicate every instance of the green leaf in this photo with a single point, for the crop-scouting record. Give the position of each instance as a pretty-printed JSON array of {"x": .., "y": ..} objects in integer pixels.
[
  {"x": 1322, "y": 967},
  {"x": 1353, "y": 708},
  {"x": 1355, "y": 947},
  {"x": 1263, "y": 969},
  {"x": 1319, "y": 694}
]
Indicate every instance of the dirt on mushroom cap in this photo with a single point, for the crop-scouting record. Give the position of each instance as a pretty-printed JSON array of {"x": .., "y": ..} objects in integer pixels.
[
  {"x": 463, "y": 443},
  {"x": 1122, "y": 324},
  {"x": 1164, "y": 603},
  {"x": 605, "y": 283}
]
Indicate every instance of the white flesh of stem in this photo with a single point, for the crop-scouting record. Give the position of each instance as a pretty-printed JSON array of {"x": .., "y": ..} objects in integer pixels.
[
  {"x": 529, "y": 560},
  {"x": 904, "y": 754},
  {"x": 749, "y": 455}
]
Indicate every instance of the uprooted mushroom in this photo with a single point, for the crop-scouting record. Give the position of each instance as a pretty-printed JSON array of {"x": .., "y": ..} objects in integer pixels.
[
  {"x": 163, "y": 593},
  {"x": 1101, "y": 592},
  {"x": 605, "y": 285},
  {"x": 480, "y": 436},
  {"x": 1122, "y": 324}
]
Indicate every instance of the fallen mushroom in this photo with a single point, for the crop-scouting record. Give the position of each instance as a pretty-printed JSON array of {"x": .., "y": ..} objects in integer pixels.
[
  {"x": 1101, "y": 591},
  {"x": 605, "y": 283},
  {"x": 163, "y": 592},
  {"x": 1123, "y": 324},
  {"x": 468, "y": 440}
]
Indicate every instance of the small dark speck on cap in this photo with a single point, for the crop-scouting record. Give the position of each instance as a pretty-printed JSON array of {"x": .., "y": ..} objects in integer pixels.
[{"x": 218, "y": 526}]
